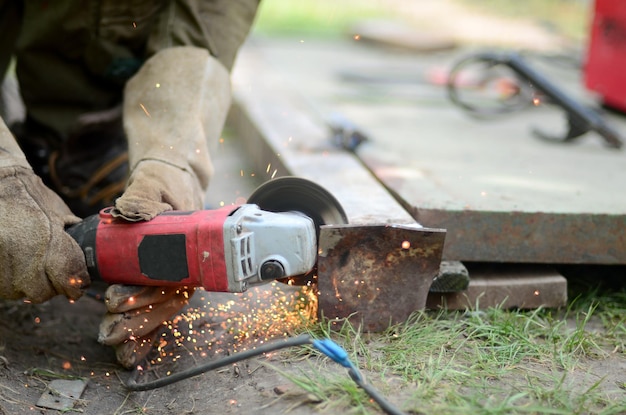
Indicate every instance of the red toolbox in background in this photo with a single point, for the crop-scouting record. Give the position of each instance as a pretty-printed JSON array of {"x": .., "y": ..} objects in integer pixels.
[{"x": 605, "y": 68}]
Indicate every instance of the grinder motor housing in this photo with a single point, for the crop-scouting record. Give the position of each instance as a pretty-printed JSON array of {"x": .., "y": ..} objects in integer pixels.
[{"x": 226, "y": 249}]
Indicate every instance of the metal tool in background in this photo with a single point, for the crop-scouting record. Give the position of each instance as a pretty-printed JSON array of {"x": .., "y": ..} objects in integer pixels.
[{"x": 528, "y": 85}]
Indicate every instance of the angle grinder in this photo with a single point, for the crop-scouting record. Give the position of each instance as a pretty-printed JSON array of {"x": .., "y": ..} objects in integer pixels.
[{"x": 271, "y": 237}]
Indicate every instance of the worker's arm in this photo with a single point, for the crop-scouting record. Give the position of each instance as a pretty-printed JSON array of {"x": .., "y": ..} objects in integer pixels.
[
  {"x": 174, "y": 109},
  {"x": 176, "y": 105},
  {"x": 38, "y": 259}
]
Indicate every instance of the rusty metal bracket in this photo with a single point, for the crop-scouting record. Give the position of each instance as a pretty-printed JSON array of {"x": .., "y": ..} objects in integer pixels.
[{"x": 376, "y": 275}]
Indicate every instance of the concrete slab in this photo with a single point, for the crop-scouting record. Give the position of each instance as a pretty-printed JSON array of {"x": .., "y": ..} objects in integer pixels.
[
  {"x": 506, "y": 286},
  {"x": 502, "y": 194},
  {"x": 284, "y": 136}
]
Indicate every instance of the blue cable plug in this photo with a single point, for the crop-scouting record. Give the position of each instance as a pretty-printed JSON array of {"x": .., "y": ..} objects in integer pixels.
[
  {"x": 337, "y": 354},
  {"x": 334, "y": 351}
]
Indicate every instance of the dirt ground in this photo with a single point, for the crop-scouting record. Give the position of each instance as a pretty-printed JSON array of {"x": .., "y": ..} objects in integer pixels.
[{"x": 57, "y": 340}]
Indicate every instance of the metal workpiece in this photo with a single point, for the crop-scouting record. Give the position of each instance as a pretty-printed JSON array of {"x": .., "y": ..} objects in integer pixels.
[{"x": 376, "y": 275}]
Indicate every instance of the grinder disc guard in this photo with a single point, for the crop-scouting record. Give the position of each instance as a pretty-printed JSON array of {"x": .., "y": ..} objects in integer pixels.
[{"x": 286, "y": 194}]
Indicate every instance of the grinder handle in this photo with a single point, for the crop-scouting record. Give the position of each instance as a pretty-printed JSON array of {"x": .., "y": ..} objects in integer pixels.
[{"x": 84, "y": 233}]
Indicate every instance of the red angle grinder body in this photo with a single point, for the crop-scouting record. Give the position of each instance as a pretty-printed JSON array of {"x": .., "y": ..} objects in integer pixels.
[{"x": 226, "y": 249}]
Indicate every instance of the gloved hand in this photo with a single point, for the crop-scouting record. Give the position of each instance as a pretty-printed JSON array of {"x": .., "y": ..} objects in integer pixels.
[
  {"x": 174, "y": 107},
  {"x": 38, "y": 260}
]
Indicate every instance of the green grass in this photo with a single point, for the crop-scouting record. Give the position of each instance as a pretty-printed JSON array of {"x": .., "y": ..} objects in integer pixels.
[
  {"x": 492, "y": 361},
  {"x": 319, "y": 18}
]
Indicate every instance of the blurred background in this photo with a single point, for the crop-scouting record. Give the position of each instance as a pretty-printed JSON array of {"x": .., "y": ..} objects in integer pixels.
[{"x": 462, "y": 20}]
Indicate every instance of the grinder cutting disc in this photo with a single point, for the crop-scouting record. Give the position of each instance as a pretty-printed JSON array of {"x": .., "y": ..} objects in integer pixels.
[{"x": 286, "y": 194}]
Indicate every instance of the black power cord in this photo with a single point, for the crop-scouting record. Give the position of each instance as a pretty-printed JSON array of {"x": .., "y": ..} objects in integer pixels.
[
  {"x": 132, "y": 384},
  {"x": 326, "y": 346}
]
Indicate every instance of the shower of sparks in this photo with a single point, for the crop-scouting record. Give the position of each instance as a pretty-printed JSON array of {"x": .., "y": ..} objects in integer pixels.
[{"x": 235, "y": 322}]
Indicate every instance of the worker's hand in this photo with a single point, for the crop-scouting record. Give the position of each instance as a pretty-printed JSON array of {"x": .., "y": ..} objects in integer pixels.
[
  {"x": 174, "y": 108},
  {"x": 38, "y": 259},
  {"x": 135, "y": 317},
  {"x": 155, "y": 187}
]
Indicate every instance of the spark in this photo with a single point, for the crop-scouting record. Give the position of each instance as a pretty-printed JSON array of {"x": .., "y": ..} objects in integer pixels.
[
  {"x": 536, "y": 101},
  {"x": 406, "y": 245},
  {"x": 66, "y": 365},
  {"x": 356, "y": 37},
  {"x": 536, "y": 293},
  {"x": 145, "y": 110},
  {"x": 254, "y": 318},
  {"x": 274, "y": 173},
  {"x": 269, "y": 166},
  {"x": 134, "y": 25}
]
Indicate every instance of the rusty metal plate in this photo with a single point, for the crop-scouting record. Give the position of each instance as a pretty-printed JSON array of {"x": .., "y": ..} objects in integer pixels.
[{"x": 376, "y": 275}]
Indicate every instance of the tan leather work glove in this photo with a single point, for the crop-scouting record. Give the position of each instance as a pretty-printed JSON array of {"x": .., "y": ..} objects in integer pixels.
[
  {"x": 174, "y": 107},
  {"x": 38, "y": 259}
]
